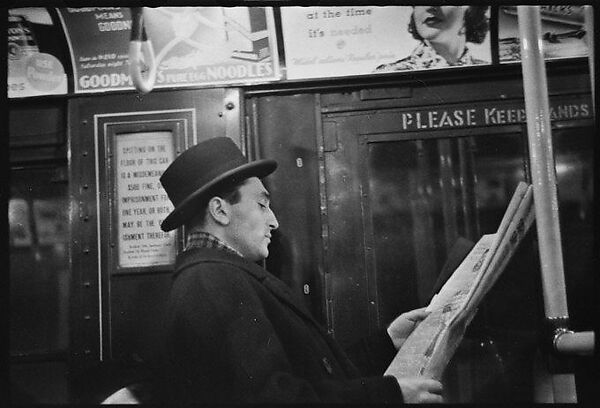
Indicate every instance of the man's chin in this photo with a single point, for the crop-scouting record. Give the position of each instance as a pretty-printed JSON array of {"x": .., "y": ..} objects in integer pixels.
[{"x": 258, "y": 257}]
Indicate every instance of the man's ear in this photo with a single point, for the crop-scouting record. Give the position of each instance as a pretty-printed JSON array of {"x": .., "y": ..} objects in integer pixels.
[{"x": 218, "y": 210}]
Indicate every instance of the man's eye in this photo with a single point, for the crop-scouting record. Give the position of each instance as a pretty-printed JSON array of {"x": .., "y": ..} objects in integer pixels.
[{"x": 262, "y": 205}]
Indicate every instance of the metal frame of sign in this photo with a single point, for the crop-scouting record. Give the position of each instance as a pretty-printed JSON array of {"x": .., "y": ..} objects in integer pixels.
[{"x": 177, "y": 123}]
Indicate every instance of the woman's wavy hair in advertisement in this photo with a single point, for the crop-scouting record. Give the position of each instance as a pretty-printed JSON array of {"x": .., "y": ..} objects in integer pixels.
[{"x": 476, "y": 25}]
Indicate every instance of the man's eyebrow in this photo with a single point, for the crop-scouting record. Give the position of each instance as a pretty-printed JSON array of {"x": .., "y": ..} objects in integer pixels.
[{"x": 265, "y": 195}]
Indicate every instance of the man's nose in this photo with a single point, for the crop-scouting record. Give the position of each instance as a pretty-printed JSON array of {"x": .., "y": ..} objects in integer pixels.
[{"x": 273, "y": 223}]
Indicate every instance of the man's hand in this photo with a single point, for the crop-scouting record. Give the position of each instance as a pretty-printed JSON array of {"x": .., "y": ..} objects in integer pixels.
[
  {"x": 403, "y": 326},
  {"x": 420, "y": 390}
]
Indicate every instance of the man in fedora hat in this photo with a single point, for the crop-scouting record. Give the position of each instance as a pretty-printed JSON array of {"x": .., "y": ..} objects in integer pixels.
[{"x": 235, "y": 333}]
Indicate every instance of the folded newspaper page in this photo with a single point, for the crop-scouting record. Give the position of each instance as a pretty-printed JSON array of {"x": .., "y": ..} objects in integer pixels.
[{"x": 427, "y": 351}]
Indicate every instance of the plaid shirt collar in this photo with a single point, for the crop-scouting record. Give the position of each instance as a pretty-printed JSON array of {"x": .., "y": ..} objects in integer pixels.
[{"x": 202, "y": 239}]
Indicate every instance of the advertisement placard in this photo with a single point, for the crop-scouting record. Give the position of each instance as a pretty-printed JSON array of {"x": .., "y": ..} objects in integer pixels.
[
  {"x": 31, "y": 72},
  {"x": 193, "y": 46},
  {"x": 563, "y": 32},
  {"x": 343, "y": 41}
]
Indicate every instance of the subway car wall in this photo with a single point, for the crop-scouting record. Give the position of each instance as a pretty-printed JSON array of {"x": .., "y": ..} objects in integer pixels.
[{"x": 373, "y": 190}]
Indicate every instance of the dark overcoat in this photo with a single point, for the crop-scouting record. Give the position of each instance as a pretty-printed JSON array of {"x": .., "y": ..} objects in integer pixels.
[{"x": 236, "y": 333}]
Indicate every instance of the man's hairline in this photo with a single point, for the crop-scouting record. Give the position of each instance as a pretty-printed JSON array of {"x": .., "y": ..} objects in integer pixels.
[{"x": 265, "y": 193}]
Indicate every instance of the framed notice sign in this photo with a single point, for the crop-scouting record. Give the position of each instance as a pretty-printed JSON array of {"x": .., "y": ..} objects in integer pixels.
[
  {"x": 134, "y": 149},
  {"x": 141, "y": 202}
]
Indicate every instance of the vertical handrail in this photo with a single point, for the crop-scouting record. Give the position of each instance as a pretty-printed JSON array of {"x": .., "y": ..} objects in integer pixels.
[
  {"x": 589, "y": 35},
  {"x": 543, "y": 176},
  {"x": 543, "y": 173}
]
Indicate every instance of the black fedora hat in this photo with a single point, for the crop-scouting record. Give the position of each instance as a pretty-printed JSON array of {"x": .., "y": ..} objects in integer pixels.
[{"x": 200, "y": 170}]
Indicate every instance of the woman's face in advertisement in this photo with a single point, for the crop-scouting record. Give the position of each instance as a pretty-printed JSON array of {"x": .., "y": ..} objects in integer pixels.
[{"x": 439, "y": 23}]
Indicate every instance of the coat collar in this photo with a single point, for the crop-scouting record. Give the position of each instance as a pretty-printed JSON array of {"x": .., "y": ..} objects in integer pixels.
[{"x": 269, "y": 281}]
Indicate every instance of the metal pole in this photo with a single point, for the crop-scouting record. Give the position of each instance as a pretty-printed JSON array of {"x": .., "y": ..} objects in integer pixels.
[
  {"x": 541, "y": 154},
  {"x": 589, "y": 35},
  {"x": 543, "y": 175}
]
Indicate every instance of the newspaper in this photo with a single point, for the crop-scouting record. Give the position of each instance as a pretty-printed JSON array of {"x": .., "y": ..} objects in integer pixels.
[{"x": 427, "y": 351}]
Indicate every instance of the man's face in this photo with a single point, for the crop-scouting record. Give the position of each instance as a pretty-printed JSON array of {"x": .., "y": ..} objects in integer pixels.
[
  {"x": 251, "y": 221},
  {"x": 439, "y": 23}
]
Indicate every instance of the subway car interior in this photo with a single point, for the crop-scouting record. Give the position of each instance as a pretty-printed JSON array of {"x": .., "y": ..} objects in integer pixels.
[{"x": 393, "y": 156}]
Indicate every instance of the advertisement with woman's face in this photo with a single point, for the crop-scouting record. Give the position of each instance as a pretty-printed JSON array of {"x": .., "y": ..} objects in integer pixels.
[
  {"x": 447, "y": 36},
  {"x": 439, "y": 24},
  {"x": 344, "y": 41}
]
